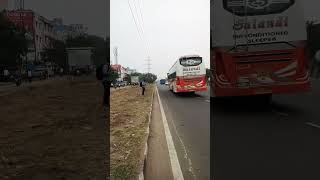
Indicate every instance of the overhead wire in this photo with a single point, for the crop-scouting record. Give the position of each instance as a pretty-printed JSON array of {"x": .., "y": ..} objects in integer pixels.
[{"x": 139, "y": 27}]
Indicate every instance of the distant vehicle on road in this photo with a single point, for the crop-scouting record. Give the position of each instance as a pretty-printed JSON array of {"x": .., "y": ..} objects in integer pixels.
[
  {"x": 39, "y": 72},
  {"x": 188, "y": 74},
  {"x": 162, "y": 81},
  {"x": 166, "y": 83},
  {"x": 134, "y": 80},
  {"x": 80, "y": 60}
]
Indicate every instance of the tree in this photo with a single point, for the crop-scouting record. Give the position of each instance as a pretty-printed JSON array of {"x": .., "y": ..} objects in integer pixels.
[
  {"x": 113, "y": 75},
  {"x": 57, "y": 54},
  {"x": 148, "y": 77},
  {"x": 14, "y": 44},
  {"x": 127, "y": 78}
]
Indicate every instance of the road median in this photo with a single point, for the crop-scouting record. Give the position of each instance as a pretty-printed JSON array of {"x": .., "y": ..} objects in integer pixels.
[{"x": 130, "y": 118}]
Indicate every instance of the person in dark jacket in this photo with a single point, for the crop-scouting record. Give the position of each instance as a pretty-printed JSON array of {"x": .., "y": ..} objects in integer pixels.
[
  {"x": 106, "y": 85},
  {"x": 143, "y": 87}
]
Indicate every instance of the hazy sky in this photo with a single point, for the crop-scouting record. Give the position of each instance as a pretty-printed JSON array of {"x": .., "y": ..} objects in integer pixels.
[
  {"x": 92, "y": 13},
  {"x": 172, "y": 27}
]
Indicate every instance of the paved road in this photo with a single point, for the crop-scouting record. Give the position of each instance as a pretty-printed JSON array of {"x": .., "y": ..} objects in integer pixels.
[
  {"x": 189, "y": 122},
  {"x": 255, "y": 142}
]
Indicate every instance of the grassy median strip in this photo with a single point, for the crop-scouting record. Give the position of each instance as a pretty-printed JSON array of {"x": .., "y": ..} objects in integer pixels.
[{"x": 129, "y": 121}]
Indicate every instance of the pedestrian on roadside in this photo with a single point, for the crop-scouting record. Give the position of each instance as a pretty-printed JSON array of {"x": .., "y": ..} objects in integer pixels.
[
  {"x": 102, "y": 74},
  {"x": 29, "y": 74},
  {"x": 61, "y": 71},
  {"x": 106, "y": 84},
  {"x": 143, "y": 87},
  {"x": 316, "y": 65},
  {"x": 6, "y": 74},
  {"x": 17, "y": 78}
]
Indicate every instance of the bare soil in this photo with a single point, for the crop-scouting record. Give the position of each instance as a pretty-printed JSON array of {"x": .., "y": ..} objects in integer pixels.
[{"x": 53, "y": 130}]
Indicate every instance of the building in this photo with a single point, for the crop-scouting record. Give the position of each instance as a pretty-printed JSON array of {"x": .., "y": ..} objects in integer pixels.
[
  {"x": 64, "y": 32},
  {"x": 131, "y": 71},
  {"x": 75, "y": 30},
  {"x": 4, "y": 5},
  {"x": 122, "y": 72},
  {"x": 40, "y": 32}
]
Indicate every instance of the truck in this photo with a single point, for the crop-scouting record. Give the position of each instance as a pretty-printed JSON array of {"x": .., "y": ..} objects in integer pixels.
[
  {"x": 162, "y": 81},
  {"x": 79, "y": 60},
  {"x": 258, "y": 48},
  {"x": 134, "y": 80}
]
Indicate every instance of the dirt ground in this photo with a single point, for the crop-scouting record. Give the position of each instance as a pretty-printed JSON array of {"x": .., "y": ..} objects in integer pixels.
[
  {"x": 129, "y": 121},
  {"x": 52, "y": 131}
]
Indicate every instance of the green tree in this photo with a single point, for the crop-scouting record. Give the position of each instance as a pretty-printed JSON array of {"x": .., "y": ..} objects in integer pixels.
[
  {"x": 14, "y": 45},
  {"x": 148, "y": 77},
  {"x": 57, "y": 53},
  {"x": 113, "y": 75},
  {"x": 127, "y": 78}
]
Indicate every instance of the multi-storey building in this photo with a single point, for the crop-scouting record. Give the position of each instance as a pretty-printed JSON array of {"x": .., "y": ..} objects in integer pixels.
[
  {"x": 40, "y": 31},
  {"x": 68, "y": 31}
]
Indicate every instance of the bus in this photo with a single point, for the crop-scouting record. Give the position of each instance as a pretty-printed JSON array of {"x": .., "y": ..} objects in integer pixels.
[
  {"x": 258, "y": 47},
  {"x": 162, "y": 81},
  {"x": 188, "y": 74}
]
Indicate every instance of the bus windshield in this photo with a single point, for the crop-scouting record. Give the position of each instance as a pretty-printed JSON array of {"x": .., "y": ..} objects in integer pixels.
[{"x": 191, "y": 61}]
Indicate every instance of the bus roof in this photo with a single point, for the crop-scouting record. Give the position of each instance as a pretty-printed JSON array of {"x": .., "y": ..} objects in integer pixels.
[{"x": 189, "y": 56}]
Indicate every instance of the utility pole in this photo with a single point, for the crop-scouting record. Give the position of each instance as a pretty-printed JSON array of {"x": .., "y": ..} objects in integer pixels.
[{"x": 115, "y": 53}]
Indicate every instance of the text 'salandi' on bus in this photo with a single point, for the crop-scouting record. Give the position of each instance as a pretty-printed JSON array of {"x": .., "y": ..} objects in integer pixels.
[
  {"x": 188, "y": 74},
  {"x": 258, "y": 47}
]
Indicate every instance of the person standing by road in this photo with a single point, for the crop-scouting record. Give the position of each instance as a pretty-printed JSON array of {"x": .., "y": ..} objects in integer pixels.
[
  {"x": 61, "y": 71},
  {"x": 29, "y": 73},
  {"x": 6, "y": 74},
  {"x": 17, "y": 78},
  {"x": 102, "y": 74},
  {"x": 316, "y": 69},
  {"x": 143, "y": 87}
]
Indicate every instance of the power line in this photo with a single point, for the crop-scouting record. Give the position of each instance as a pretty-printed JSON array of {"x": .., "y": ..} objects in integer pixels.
[
  {"x": 138, "y": 17},
  {"x": 140, "y": 32},
  {"x": 149, "y": 64},
  {"x": 134, "y": 19},
  {"x": 139, "y": 12}
]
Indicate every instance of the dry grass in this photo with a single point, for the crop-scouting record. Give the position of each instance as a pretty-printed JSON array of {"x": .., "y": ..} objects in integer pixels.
[
  {"x": 129, "y": 120},
  {"x": 53, "y": 130}
]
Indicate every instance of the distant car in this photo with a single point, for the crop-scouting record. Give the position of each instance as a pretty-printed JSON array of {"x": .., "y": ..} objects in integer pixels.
[
  {"x": 162, "y": 81},
  {"x": 167, "y": 83},
  {"x": 39, "y": 72}
]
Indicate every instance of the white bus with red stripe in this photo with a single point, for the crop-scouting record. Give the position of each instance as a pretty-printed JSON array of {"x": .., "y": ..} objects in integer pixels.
[
  {"x": 188, "y": 74},
  {"x": 258, "y": 47}
]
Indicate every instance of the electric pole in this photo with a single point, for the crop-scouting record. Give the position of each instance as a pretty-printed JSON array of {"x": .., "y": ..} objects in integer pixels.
[
  {"x": 115, "y": 53},
  {"x": 149, "y": 64}
]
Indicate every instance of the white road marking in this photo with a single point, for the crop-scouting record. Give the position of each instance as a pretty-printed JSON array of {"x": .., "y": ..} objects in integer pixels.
[
  {"x": 175, "y": 165},
  {"x": 313, "y": 125},
  {"x": 280, "y": 113},
  {"x": 207, "y": 100}
]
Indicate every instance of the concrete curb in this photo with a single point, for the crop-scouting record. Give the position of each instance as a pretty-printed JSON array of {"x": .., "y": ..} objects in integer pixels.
[{"x": 141, "y": 174}]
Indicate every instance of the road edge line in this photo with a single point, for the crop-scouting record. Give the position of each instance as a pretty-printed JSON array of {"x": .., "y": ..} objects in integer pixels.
[
  {"x": 175, "y": 165},
  {"x": 145, "y": 153}
]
